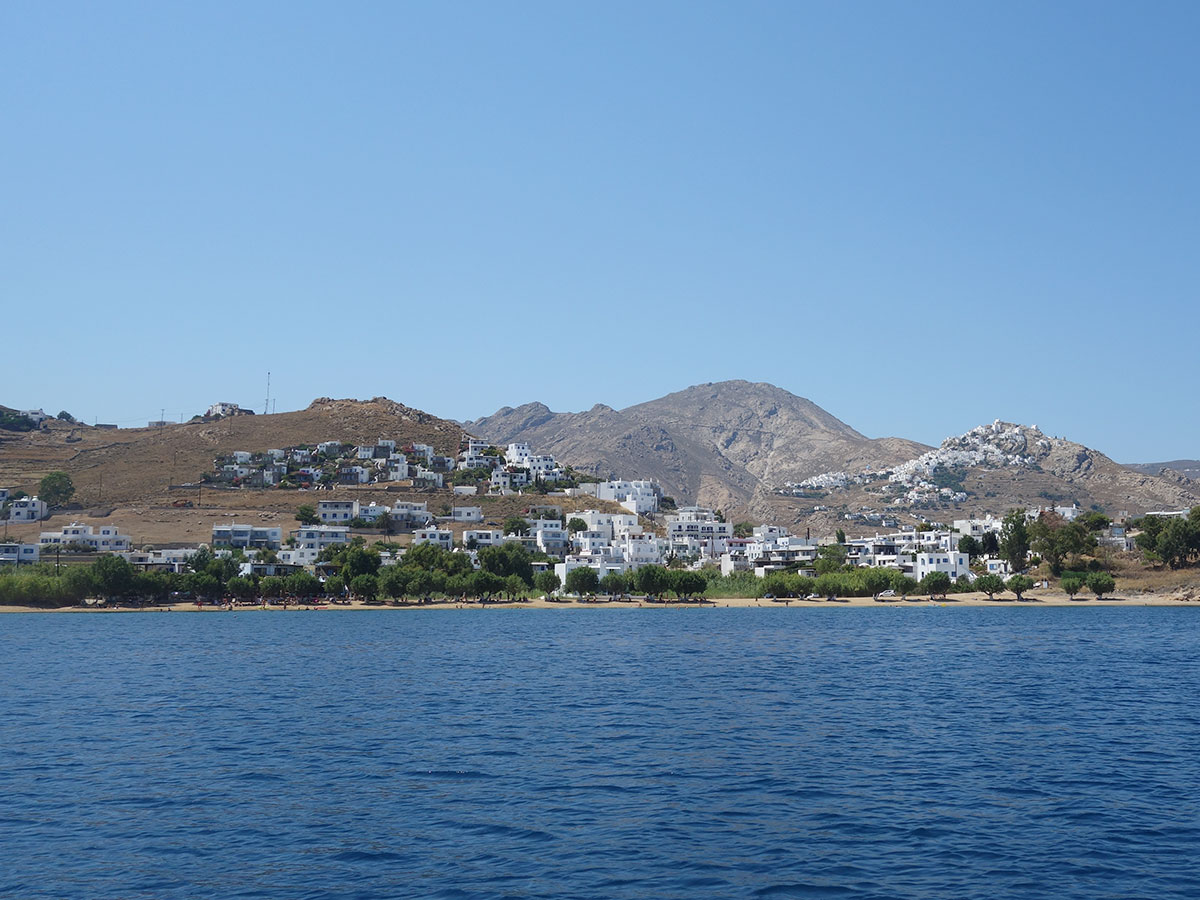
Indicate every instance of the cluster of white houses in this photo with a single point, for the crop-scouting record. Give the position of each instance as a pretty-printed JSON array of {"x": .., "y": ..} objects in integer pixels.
[{"x": 510, "y": 471}]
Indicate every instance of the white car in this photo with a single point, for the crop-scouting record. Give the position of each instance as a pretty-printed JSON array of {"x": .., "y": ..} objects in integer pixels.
[{"x": 886, "y": 594}]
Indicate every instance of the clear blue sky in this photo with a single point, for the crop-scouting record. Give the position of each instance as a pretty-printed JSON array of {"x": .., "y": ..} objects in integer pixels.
[{"x": 921, "y": 216}]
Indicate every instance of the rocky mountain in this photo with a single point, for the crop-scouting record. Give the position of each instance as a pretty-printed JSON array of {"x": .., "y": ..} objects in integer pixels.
[
  {"x": 998, "y": 466},
  {"x": 1188, "y": 468},
  {"x": 721, "y": 445}
]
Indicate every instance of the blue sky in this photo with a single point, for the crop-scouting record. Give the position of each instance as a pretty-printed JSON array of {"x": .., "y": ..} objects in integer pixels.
[{"x": 920, "y": 216}]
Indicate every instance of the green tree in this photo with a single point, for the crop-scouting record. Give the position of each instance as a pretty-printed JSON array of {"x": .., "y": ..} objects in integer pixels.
[
  {"x": 485, "y": 585},
  {"x": 653, "y": 581},
  {"x": 576, "y": 524},
  {"x": 515, "y": 587},
  {"x": 583, "y": 580},
  {"x": 903, "y": 584},
  {"x": 875, "y": 580},
  {"x": 205, "y": 585},
  {"x": 989, "y": 544},
  {"x": 1101, "y": 583},
  {"x": 970, "y": 546},
  {"x": 335, "y": 586},
  {"x": 1014, "y": 539},
  {"x": 830, "y": 558},
  {"x": 547, "y": 582},
  {"x": 1019, "y": 584},
  {"x": 424, "y": 556},
  {"x": 307, "y": 515},
  {"x": 241, "y": 587},
  {"x": 56, "y": 488},
  {"x": 688, "y": 584},
  {"x": 936, "y": 583},
  {"x": 1071, "y": 585},
  {"x": 743, "y": 529},
  {"x": 272, "y": 586},
  {"x": 841, "y": 536},
  {"x": 990, "y": 585},
  {"x": 302, "y": 584},
  {"x": 113, "y": 576},
  {"x": 614, "y": 584},
  {"x": 510, "y": 558},
  {"x": 1055, "y": 539},
  {"x": 394, "y": 581},
  {"x": 359, "y": 561},
  {"x": 1177, "y": 542},
  {"x": 1094, "y": 521},
  {"x": 365, "y": 586},
  {"x": 515, "y": 525}
]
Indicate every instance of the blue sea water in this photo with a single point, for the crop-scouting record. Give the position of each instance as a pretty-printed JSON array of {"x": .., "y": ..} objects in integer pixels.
[{"x": 841, "y": 753}]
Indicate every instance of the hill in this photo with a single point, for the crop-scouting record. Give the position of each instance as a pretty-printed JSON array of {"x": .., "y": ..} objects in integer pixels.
[
  {"x": 115, "y": 467},
  {"x": 990, "y": 469},
  {"x": 1188, "y": 468},
  {"x": 721, "y": 445}
]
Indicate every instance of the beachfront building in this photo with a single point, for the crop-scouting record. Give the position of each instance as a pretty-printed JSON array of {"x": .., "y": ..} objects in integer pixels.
[
  {"x": 18, "y": 554},
  {"x": 27, "y": 509},
  {"x": 333, "y": 512},
  {"x": 953, "y": 564},
  {"x": 106, "y": 539},
  {"x": 246, "y": 536},
  {"x": 697, "y": 528},
  {"x": 310, "y": 540}
]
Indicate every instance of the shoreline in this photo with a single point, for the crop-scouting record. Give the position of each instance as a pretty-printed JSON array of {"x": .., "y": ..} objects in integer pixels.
[{"x": 1051, "y": 599}]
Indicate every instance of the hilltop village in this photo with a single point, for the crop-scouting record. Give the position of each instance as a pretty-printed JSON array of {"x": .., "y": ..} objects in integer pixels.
[{"x": 474, "y": 519}]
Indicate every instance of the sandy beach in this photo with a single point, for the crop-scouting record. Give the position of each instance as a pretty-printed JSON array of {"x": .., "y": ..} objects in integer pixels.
[{"x": 1040, "y": 599}]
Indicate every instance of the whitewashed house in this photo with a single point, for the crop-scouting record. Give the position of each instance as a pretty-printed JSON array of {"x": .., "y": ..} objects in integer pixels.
[
  {"x": 257, "y": 536},
  {"x": 18, "y": 554},
  {"x": 27, "y": 509},
  {"x": 332, "y": 512},
  {"x": 105, "y": 539},
  {"x": 443, "y": 537}
]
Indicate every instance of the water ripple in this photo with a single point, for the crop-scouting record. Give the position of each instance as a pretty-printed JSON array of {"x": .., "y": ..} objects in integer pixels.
[{"x": 958, "y": 753}]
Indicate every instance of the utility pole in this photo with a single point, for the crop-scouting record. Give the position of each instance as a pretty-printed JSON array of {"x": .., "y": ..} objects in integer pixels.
[{"x": 267, "y": 405}]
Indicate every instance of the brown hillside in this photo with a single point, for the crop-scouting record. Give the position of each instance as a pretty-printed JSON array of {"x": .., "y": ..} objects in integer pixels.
[{"x": 118, "y": 467}]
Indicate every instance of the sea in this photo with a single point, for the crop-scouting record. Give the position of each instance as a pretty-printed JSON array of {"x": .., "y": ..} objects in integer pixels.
[{"x": 902, "y": 752}]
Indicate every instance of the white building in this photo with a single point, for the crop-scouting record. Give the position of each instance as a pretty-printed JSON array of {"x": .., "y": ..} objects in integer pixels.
[
  {"x": 518, "y": 454},
  {"x": 17, "y": 554},
  {"x": 443, "y": 537},
  {"x": 27, "y": 509},
  {"x": 467, "y": 513},
  {"x": 639, "y": 497},
  {"x": 235, "y": 535},
  {"x": 952, "y": 563},
  {"x": 411, "y": 513},
  {"x": 373, "y": 511},
  {"x": 224, "y": 409},
  {"x": 483, "y": 537},
  {"x": 699, "y": 525},
  {"x": 611, "y": 525},
  {"x": 106, "y": 539},
  {"x": 312, "y": 539},
  {"x": 333, "y": 512}
]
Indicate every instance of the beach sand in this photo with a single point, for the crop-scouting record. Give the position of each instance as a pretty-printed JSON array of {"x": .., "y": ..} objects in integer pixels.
[{"x": 1034, "y": 599}]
